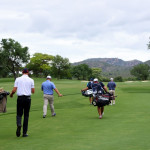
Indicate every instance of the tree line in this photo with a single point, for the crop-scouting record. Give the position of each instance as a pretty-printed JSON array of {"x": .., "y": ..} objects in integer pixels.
[{"x": 14, "y": 57}]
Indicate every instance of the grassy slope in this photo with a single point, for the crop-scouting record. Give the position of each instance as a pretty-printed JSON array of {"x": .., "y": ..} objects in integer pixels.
[{"x": 125, "y": 126}]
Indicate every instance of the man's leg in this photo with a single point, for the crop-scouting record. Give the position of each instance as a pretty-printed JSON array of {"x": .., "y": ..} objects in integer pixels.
[
  {"x": 99, "y": 112},
  {"x": 51, "y": 102},
  {"x": 27, "y": 104},
  {"x": 102, "y": 110},
  {"x": 19, "y": 115},
  {"x": 113, "y": 97},
  {"x": 45, "y": 105},
  {"x": 111, "y": 101}
]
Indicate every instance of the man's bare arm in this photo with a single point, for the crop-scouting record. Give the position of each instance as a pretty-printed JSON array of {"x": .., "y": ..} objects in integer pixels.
[{"x": 13, "y": 91}]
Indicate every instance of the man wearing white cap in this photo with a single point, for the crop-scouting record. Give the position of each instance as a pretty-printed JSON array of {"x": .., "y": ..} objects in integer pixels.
[
  {"x": 112, "y": 85},
  {"x": 47, "y": 88},
  {"x": 98, "y": 87}
]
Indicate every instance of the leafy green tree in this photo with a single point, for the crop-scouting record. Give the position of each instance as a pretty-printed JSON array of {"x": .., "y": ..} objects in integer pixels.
[
  {"x": 96, "y": 73},
  {"x": 13, "y": 56},
  {"x": 118, "y": 79},
  {"x": 141, "y": 71},
  {"x": 61, "y": 67},
  {"x": 4, "y": 72},
  {"x": 40, "y": 64},
  {"x": 82, "y": 72}
]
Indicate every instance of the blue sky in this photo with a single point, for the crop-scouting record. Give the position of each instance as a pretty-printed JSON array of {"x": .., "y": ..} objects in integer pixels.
[{"x": 79, "y": 29}]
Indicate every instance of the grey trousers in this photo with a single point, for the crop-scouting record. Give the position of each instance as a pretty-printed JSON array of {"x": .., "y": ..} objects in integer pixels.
[{"x": 48, "y": 99}]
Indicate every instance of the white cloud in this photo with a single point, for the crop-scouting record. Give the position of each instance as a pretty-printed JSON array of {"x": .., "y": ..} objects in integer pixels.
[{"x": 79, "y": 29}]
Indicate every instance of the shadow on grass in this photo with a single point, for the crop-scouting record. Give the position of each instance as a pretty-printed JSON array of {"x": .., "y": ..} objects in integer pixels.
[{"x": 11, "y": 113}]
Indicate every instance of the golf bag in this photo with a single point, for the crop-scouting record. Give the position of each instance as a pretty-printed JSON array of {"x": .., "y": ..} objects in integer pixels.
[
  {"x": 3, "y": 101},
  {"x": 87, "y": 93},
  {"x": 102, "y": 99}
]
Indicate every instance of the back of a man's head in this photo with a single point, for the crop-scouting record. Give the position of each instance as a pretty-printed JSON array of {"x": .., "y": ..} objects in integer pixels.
[
  {"x": 25, "y": 70},
  {"x": 111, "y": 79},
  {"x": 95, "y": 80},
  {"x": 48, "y": 77}
]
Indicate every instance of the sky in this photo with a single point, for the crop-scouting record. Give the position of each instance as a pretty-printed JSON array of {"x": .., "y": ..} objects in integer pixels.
[{"x": 79, "y": 29}]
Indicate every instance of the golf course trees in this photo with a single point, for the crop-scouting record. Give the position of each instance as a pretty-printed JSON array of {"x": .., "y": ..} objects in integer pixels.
[
  {"x": 13, "y": 56},
  {"x": 61, "y": 67},
  {"x": 96, "y": 73},
  {"x": 118, "y": 79},
  {"x": 82, "y": 72},
  {"x": 4, "y": 72},
  {"x": 141, "y": 71},
  {"x": 40, "y": 64}
]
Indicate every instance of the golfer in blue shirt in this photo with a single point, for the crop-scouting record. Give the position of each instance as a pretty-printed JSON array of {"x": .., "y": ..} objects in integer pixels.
[
  {"x": 47, "y": 88},
  {"x": 112, "y": 85}
]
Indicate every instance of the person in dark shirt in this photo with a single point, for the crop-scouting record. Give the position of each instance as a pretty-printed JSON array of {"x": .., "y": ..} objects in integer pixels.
[
  {"x": 98, "y": 88},
  {"x": 111, "y": 86},
  {"x": 89, "y": 85}
]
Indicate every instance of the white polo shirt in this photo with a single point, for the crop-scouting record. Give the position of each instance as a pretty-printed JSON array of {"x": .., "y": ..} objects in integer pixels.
[{"x": 24, "y": 85}]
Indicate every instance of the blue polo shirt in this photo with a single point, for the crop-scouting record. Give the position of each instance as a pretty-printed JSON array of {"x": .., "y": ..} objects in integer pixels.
[
  {"x": 47, "y": 87},
  {"x": 111, "y": 85},
  {"x": 89, "y": 85}
]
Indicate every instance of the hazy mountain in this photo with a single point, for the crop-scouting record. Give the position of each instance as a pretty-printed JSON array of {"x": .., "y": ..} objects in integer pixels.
[
  {"x": 111, "y": 67},
  {"x": 147, "y": 62}
]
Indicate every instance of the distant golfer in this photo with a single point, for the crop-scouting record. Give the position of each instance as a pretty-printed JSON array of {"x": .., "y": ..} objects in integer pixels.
[
  {"x": 112, "y": 85},
  {"x": 24, "y": 86},
  {"x": 47, "y": 88}
]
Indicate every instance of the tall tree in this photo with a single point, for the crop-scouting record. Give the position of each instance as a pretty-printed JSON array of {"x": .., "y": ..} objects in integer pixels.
[
  {"x": 4, "y": 72},
  {"x": 96, "y": 73},
  {"x": 13, "y": 55},
  {"x": 141, "y": 71},
  {"x": 61, "y": 67},
  {"x": 40, "y": 64},
  {"x": 82, "y": 71}
]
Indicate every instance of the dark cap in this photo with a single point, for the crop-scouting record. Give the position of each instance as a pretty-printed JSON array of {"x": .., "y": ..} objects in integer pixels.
[
  {"x": 91, "y": 79},
  {"x": 25, "y": 70}
]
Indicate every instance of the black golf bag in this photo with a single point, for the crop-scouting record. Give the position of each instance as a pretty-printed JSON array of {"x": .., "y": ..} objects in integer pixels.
[
  {"x": 102, "y": 99},
  {"x": 3, "y": 101}
]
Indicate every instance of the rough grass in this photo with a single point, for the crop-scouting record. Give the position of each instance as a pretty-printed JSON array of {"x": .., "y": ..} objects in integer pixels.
[{"x": 125, "y": 126}]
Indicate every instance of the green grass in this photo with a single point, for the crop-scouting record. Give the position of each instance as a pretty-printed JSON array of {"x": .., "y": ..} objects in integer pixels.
[{"x": 125, "y": 126}]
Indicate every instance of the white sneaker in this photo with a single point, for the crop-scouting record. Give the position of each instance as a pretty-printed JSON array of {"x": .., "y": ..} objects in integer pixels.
[{"x": 100, "y": 117}]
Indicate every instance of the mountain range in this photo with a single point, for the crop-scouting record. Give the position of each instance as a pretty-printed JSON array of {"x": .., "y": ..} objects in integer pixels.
[{"x": 112, "y": 67}]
